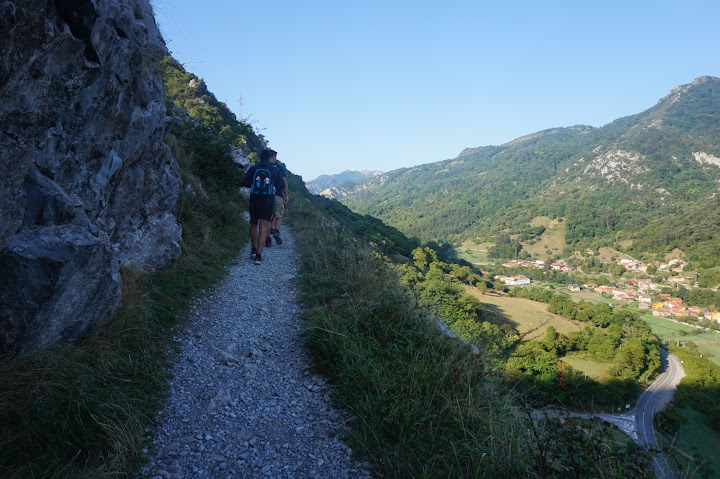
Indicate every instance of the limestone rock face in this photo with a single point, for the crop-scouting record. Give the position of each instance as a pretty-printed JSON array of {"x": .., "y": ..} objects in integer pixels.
[{"x": 86, "y": 182}]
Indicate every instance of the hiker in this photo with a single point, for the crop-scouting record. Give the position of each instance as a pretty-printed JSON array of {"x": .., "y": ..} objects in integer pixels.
[
  {"x": 263, "y": 179},
  {"x": 281, "y": 199}
]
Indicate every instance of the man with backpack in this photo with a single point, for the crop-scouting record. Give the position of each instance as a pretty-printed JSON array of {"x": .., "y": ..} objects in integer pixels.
[
  {"x": 263, "y": 179},
  {"x": 281, "y": 199}
]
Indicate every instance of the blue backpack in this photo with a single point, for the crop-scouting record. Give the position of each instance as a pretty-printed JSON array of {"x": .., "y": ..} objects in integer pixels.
[{"x": 262, "y": 183}]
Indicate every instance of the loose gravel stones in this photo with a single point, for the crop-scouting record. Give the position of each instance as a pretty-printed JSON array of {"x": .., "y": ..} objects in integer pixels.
[{"x": 244, "y": 402}]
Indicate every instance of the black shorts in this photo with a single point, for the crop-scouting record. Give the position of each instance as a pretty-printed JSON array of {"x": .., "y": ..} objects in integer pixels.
[{"x": 261, "y": 208}]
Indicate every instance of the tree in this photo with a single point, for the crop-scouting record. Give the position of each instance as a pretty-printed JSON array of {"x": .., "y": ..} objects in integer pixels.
[
  {"x": 467, "y": 329},
  {"x": 614, "y": 333},
  {"x": 601, "y": 347},
  {"x": 420, "y": 258},
  {"x": 553, "y": 341},
  {"x": 630, "y": 360},
  {"x": 618, "y": 270},
  {"x": 502, "y": 238}
]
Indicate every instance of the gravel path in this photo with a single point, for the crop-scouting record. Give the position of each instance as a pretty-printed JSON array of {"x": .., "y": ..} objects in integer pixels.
[{"x": 243, "y": 402}]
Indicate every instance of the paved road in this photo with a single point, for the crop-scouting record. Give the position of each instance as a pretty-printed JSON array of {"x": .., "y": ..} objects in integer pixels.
[
  {"x": 638, "y": 423},
  {"x": 654, "y": 399}
]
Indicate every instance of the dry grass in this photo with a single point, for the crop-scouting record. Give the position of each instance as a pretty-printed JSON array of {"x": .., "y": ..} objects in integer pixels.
[
  {"x": 530, "y": 318},
  {"x": 580, "y": 362},
  {"x": 607, "y": 254},
  {"x": 550, "y": 242},
  {"x": 425, "y": 405},
  {"x": 474, "y": 252}
]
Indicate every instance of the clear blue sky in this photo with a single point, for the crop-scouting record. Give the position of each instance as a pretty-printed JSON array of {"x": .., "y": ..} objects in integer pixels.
[{"x": 385, "y": 84}]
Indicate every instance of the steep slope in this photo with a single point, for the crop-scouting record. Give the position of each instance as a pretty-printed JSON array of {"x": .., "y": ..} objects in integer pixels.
[
  {"x": 602, "y": 181},
  {"x": 189, "y": 92}
]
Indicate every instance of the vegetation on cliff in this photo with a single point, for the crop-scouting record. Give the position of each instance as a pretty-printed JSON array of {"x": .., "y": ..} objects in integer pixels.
[{"x": 190, "y": 93}]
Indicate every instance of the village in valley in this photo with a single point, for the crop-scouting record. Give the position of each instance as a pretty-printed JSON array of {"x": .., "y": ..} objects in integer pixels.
[{"x": 646, "y": 292}]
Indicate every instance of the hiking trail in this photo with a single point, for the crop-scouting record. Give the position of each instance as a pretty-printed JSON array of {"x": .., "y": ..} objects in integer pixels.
[{"x": 243, "y": 401}]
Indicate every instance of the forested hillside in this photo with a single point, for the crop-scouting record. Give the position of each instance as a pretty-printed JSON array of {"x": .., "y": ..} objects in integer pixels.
[{"x": 633, "y": 180}]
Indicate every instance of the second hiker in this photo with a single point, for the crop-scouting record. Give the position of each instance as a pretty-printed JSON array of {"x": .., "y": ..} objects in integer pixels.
[{"x": 281, "y": 199}]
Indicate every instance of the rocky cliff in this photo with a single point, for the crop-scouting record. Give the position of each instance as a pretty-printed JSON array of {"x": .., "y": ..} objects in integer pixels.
[{"x": 86, "y": 183}]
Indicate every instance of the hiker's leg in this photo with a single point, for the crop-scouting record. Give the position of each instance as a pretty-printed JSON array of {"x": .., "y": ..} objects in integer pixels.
[
  {"x": 276, "y": 232},
  {"x": 254, "y": 235},
  {"x": 253, "y": 225},
  {"x": 263, "y": 207},
  {"x": 268, "y": 241},
  {"x": 278, "y": 211},
  {"x": 264, "y": 231}
]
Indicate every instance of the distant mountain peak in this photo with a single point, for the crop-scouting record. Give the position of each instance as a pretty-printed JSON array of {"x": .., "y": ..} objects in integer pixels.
[
  {"x": 680, "y": 90},
  {"x": 333, "y": 185},
  {"x": 703, "y": 79}
]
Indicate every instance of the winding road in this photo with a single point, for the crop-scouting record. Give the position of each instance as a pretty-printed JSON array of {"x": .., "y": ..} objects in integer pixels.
[
  {"x": 654, "y": 399},
  {"x": 638, "y": 423}
]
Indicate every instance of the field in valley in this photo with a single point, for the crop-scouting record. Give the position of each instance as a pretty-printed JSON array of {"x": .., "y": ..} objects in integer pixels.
[
  {"x": 580, "y": 362},
  {"x": 475, "y": 253},
  {"x": 530, "y": 318},
  {"x": 550, "y": 242},
  {"x": 710, "y": 351},
  {"x": 671, "y": 331},
  {"x": 697, "y": 436},
  {"x": 707, "y": 342}
]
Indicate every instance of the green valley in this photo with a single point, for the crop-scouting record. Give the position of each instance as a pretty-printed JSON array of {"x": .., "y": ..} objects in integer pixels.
[
  {"x": 443, "y": 320},
  {"x": 615, "y": 229}
]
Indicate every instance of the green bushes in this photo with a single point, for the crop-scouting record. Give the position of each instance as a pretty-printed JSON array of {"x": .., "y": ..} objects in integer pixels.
[
  {"x": 424, "y": 405},
  {"x": 610, "y": 335},
  {"x": 700, "y": 388}
]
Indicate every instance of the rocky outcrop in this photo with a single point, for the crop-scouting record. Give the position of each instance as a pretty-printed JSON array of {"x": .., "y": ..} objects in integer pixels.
[{"x": 86, "y": 183}]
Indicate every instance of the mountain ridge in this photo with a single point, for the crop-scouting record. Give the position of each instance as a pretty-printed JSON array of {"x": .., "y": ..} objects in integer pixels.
[
  {"x": 607, "y": 182},
  {"x": 338, "y": 184}
]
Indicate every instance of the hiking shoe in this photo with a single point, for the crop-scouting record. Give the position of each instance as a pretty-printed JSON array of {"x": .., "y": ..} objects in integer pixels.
[
  {"x": 253, "y": 253},
  {"x": 258, "y": 258},
  {"x": 276, "y": 235},
  {"x": 268, "y": 242}
]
